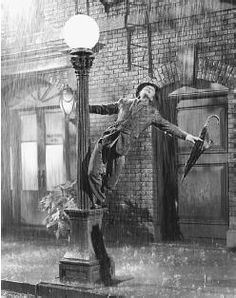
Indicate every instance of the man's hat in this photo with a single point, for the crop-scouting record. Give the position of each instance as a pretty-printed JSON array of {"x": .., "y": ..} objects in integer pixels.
[{"x": 142, "y": 85}]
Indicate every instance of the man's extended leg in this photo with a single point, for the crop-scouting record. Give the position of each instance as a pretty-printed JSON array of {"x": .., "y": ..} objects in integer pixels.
[{"x": 96, "y": 171}]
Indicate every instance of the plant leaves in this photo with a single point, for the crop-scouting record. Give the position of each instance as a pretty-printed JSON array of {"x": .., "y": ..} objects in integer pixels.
[{"x": 61, "y": 197}]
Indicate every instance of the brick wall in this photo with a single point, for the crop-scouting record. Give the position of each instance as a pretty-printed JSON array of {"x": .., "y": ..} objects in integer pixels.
[{"x": 173, "y": 27}]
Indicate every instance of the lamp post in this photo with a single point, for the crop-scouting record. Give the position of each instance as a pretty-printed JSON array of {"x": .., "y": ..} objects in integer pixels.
[
  {"x": 81, "y": 33},
  {"x": 87, "y": 260}
]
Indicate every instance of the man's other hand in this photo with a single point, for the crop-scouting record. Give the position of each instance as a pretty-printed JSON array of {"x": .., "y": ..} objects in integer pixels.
[{"x": 192, "y": 138}]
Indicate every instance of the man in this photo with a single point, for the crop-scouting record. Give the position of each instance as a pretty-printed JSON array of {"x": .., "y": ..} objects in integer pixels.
[{"x": 108, "y": 156}]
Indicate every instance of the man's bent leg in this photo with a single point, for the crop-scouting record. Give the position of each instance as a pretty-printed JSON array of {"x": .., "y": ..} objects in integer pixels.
[{"x": 96, "y": 172}]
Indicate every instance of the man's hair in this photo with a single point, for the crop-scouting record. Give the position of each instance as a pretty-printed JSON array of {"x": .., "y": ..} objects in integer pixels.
[{"x": 141, "y": 86}]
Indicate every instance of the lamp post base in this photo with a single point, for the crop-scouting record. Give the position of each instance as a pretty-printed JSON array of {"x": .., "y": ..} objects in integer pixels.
[
  {"x": 87, "y": 260},
  {"x": 84, "y": 271},
  {"x": 79, "y": 270}
]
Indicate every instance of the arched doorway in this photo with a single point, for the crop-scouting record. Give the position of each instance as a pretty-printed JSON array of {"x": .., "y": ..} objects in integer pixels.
[
  {"x": 208, "y": 74},
  {"x": 38, "y": 148}
]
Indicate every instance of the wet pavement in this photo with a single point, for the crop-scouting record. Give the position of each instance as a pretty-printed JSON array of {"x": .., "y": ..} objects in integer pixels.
[{"x": 157, "y": 270}]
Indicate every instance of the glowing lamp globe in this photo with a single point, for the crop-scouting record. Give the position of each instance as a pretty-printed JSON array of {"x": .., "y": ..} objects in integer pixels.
[{"x": 81, "y": 31}]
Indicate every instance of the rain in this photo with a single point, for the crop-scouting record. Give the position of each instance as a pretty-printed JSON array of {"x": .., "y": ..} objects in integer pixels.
[{"x": 155, "y": 234}]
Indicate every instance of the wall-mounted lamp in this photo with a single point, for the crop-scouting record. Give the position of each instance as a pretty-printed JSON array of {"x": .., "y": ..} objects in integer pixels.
[{"x": 67, "y": 100}]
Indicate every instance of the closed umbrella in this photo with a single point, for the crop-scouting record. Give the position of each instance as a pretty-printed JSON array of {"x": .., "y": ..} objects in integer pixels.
[{"x": 199, "y": 146}]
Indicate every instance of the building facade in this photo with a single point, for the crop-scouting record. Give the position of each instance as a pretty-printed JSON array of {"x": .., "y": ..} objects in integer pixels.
[{"x": 139, "y": 40}]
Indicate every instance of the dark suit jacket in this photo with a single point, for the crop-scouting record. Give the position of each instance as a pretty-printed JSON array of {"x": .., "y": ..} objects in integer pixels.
[{"x": 134, "y": 116}]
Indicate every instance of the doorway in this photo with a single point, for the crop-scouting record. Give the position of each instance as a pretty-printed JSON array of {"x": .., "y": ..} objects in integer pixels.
[
  {"x": 198, "y": 207},
  {"x": 37, "y": 151},
  {"x": 203, "y": 195}
]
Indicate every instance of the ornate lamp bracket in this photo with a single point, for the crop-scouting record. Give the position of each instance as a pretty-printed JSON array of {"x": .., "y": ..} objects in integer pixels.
[{"x": 82, "y": 61}]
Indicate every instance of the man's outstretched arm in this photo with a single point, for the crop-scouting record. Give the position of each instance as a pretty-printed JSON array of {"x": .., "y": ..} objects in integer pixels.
[
  {"x": 107, "y": 109},
  {"x": 104, "y": 109},
  {"x": 172, "y": 129}
]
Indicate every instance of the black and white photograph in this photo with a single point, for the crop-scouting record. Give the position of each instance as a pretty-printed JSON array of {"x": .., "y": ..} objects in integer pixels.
[{"x": 118, "y": 148}]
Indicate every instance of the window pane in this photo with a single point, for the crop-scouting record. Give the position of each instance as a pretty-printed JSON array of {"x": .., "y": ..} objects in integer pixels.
[
  {"x": 29, "y": 158},
  {"x": 54, "y": 165},
  {"x": 54, "y": 127},
  {"x": 28, "y": 127}
]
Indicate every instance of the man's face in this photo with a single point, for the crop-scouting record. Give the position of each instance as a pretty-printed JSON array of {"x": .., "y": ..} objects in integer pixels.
[{"x": 148, "y": 91}]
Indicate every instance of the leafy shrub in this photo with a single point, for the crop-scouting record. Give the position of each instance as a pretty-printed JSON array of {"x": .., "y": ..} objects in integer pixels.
[{"x": 54, "y": 203}]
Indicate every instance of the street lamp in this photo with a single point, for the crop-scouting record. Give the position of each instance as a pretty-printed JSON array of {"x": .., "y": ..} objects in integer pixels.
[
  {"x": 87, "y": 261},
  {"x": 81, "y": 33}
]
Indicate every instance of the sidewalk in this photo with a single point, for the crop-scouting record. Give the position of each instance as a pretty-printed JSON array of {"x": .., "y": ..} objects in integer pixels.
[{"x": 159, "y": 270}]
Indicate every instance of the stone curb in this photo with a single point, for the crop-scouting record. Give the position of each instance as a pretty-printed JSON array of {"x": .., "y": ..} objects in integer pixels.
[{"x": 44, "y": 289}]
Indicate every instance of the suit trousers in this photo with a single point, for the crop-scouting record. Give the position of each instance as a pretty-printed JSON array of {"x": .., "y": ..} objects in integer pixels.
[{"x": 104, "y": 171}]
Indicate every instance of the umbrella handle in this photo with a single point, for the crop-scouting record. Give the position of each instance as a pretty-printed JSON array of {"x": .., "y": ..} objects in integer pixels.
[{"x": 210, "y": 117}]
